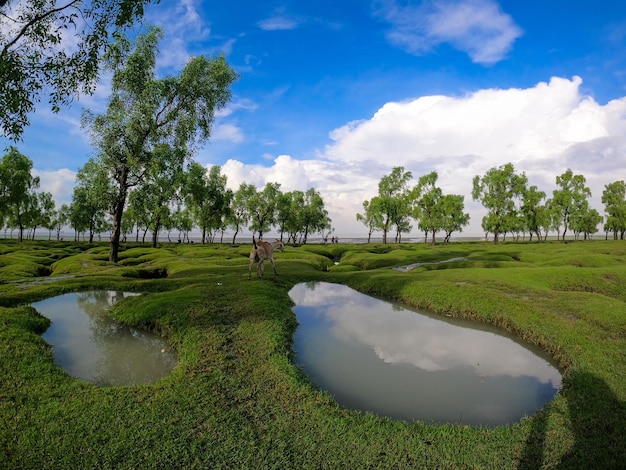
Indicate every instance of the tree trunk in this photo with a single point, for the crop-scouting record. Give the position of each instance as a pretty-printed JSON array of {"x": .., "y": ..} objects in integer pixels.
[
  {"x": 118, "y": 212},
  {"x": 155, "y": 233}
]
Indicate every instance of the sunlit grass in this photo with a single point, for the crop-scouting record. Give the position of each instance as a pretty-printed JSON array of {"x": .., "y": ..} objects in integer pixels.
[{"x": 236, "y": 400}]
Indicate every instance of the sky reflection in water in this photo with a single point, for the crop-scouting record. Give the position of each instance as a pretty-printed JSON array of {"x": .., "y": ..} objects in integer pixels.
[
  {"x": 91, "y": 346},
  {"x": 376, "y": 356}
]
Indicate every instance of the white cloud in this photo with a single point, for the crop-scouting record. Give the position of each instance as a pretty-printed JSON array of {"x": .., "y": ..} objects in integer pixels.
[
  {"x": 228, "y": 132},
  {"x": 236, "y": 105},
  {"x": 279, "y": 23},
  {"x": 477, "y": 27},
  {"x": 184, "y": 28},
  {"x": 59, "y": 183},
  {"x": 542, "y": 130}
]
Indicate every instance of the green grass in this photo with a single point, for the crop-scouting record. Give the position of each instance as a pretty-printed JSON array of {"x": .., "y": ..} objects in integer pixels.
[{"x": 236, "y": 400}]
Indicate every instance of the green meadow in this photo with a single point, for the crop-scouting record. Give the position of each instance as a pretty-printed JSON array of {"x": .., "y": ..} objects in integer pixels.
[{"x": 236, "y": 400}]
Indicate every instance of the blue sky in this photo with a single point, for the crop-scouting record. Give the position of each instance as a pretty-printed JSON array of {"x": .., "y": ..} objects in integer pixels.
[{"x": 334, "y": 94}]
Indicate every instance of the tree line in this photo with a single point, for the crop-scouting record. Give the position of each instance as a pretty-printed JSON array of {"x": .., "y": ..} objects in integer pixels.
[
  {"x": 513, "y": 206},
  {"x": 397, "y": 203},
  {"x": 180, "y": 195},
  {"x": 177, "y": 197}
]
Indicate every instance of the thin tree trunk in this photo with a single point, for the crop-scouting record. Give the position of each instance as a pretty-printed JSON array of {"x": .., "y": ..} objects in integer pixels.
[{"x": 116, "y": 231}]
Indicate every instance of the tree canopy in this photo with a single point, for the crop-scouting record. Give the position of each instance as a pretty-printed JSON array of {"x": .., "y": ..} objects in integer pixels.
[
  {"x": 500, "y": 190},
  {"x": 614, "y": 198},
  {"x": 571, "y": 199},
  {"x": 55, "y": 49},
  {"x": 16, "y": 189},
  {"x": 145, "y": 112}
]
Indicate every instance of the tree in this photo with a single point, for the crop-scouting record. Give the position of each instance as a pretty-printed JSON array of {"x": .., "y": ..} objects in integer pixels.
[
  {"x": 499, "y": 191},
  {"x": 182, "y": 220},
  {"x": 453, "y": 219},
  {"x": 572, "y": 197},
  {"x": 16, "y": 187},
  {"x": 293, "y": 223},
  {"x": 139, "y": 212},
  {"x": 371, "y": 217},
  {"x": 314, "y": 217},
  {"x": 92, "y": 198},
  {"x": 207, "y": 198},
  {"x": 161, "y": 186},
  {"x": 285, "y": 214},
  {"x": 34, "y": 58},
  {"x": 533, "y": 213},
  {"x": 428, "y": 209},
  {"x": 239, "y": 214},
  {"x": 61, "y": 219},
  {"x": 42, "y": 212},
  {"x": 144, "y": 112},
  {"x": 586, "y": 221},
  {"x": 262, "y": 208},
  {"x": 614, "y": 200},
  {"x": 393, "y": 198}
]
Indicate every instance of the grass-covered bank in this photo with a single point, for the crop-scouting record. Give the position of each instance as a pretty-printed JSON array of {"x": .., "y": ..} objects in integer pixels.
[{"x": 236, "y": 400}]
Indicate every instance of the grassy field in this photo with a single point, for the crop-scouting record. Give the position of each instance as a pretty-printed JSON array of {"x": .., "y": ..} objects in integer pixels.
[{"x": 236, "y": 400}]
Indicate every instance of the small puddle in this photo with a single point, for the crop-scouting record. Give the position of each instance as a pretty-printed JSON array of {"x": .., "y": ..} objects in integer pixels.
[
  {"x": 90, "y": 345},
  {"x": 408, "y": 267},
  {"x": 372, "y": 355}
]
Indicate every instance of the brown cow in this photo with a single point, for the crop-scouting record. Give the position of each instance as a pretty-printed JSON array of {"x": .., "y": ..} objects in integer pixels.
[{"x": 262, "y": 251}]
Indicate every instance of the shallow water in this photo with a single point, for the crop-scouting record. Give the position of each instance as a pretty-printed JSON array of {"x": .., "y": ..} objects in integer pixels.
[
  {"x": 91, "y": 346},
  {"x": 376, "y": 356}
]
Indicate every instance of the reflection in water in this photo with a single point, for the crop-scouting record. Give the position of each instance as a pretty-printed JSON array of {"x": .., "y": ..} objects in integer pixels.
[
  {"x": 376, "y": 356},
  {"x": 90, "y": 345}
]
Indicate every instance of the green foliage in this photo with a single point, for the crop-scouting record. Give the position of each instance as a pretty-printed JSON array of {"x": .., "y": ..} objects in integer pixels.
[
  {"x": 159, "y": 119},
  {"x": 261, "y": 206},
  {"x": 32, "y": 60},
  {"x": 570, "y": 201},
  {"x": 500, "y": 191},
  {"x": 614, "y": 199},
  {"x": 396, "y": 203},
  {"x": 17, "y": 198},
  {"x": 91, "y": 199},
  {"x": 371, "y": 217},
  {"x": 393, "y": 201}
]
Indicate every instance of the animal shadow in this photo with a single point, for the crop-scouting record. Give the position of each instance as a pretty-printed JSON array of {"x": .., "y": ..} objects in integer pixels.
[{"x": 598, "y": 421}]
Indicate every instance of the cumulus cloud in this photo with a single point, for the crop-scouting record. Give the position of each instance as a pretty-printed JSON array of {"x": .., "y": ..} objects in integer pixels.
[
  {"x": 542, "y": 130},
  {"x": 476, "y": 27},
  {"x": 59, "y": 183}
]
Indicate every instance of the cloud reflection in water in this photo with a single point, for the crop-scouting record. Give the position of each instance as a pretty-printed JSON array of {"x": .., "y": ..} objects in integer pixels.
[{"x": 439, "y": 354}]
